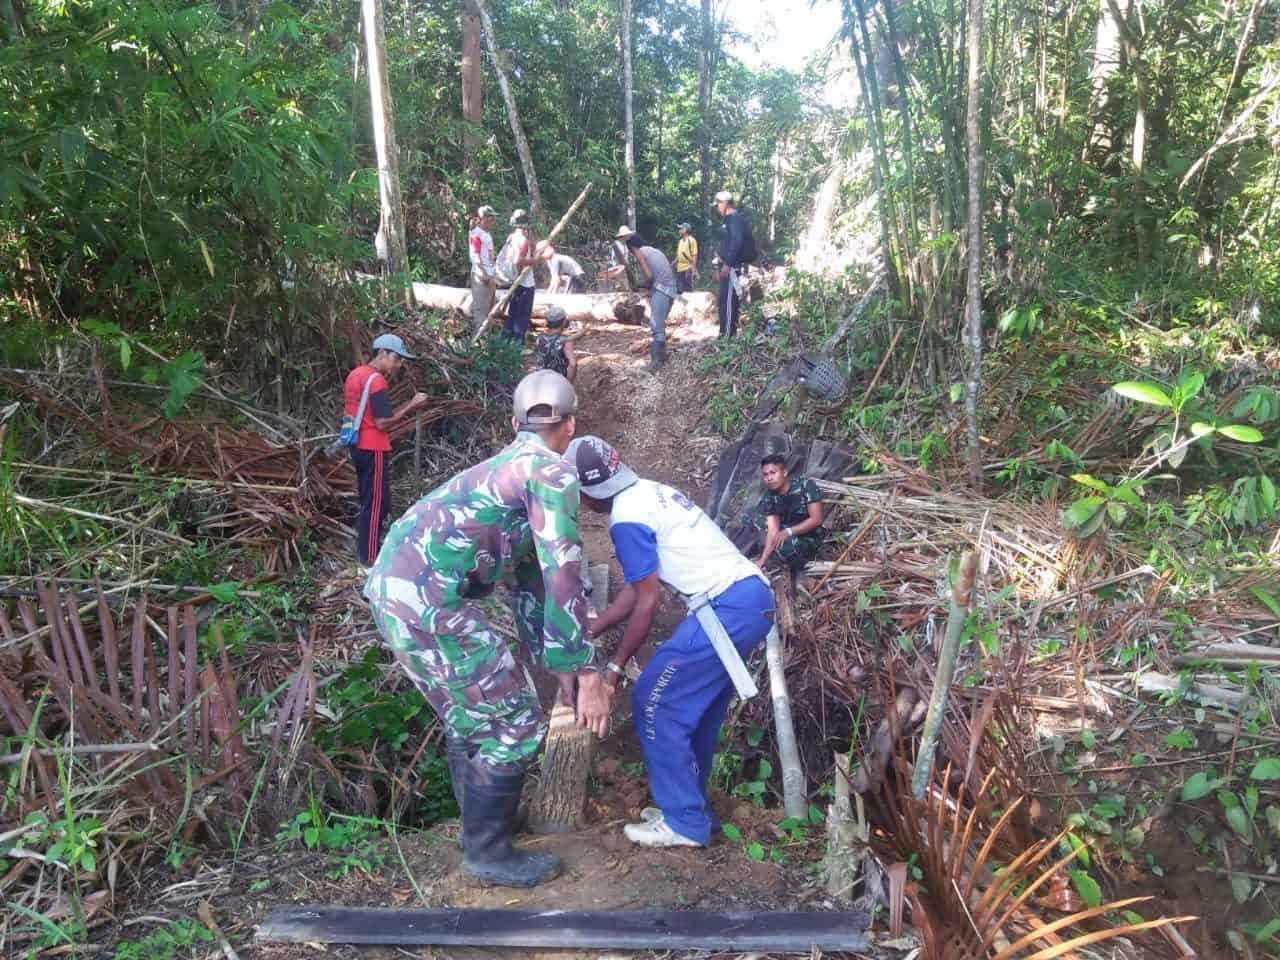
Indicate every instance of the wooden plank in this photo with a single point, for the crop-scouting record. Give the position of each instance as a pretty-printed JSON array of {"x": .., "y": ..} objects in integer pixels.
[{"x": 567, "y": 929}]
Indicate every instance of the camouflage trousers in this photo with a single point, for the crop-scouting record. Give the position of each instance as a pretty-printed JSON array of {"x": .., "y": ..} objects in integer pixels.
[
  {"x": 794, "y": 552},
  {"x": 472, "y": 681}
]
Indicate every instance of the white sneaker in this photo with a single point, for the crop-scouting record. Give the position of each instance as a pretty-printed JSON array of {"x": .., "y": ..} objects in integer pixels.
[
  {"x": 650, "y": 814},
  {"x": 656, "y": 833}
]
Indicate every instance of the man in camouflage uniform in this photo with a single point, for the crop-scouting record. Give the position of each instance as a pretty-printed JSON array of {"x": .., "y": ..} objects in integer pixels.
[
  {"x": 517, "y": 512},
  {"x": 790, "y": 515}
]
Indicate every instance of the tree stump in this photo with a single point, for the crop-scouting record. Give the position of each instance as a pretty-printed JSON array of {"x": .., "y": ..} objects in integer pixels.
[{"x": 558, "y": 801}]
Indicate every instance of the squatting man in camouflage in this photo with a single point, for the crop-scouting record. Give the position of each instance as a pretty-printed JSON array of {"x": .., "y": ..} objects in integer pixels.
[
  {"x": 679, "y": 702},
  {"x": 517, "y": 512},
  {"x": 791, "y": 513}
]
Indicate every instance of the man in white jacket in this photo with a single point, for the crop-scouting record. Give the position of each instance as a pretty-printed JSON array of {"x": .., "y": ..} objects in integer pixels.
[{"x": 663, "y": 539}]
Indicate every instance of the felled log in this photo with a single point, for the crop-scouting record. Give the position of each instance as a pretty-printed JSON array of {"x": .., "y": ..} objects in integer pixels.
[
  {"x": 558, "y": 802},
  {"x": 698, "y": 308}
]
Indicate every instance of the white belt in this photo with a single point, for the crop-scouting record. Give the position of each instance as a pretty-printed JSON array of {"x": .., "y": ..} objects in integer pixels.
[{"x": 700, "y": 607}]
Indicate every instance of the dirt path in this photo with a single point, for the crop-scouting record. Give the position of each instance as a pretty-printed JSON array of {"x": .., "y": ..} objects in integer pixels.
[{"x": 657, "y": 423}]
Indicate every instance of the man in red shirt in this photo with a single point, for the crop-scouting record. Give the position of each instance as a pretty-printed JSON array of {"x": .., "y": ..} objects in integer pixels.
[{"x": 369, "y": 453}]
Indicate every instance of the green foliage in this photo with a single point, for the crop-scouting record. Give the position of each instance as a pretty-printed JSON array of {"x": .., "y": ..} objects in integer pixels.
[
  {"x": 178, "y": 940},
  {"x": 367, "y": 713},
  {"x": 1109, "y": 505},
  {"x": 754, "y": 790},
  {"x": 352, "y": 843},
  {"x": 1022, "y": 322}
]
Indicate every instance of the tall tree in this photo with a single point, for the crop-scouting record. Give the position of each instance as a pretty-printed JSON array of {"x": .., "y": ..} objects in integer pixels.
[
  {"x": 629, "y": 117},
  {"x": 391, "y": 245},
  {"x": 973, "y": 285},
  {"x": 513, "y": 114},
  {"x": 472, "y": 81},
  {"x": 1106, "y": 62},
  {"x": 705, "y": 41}
]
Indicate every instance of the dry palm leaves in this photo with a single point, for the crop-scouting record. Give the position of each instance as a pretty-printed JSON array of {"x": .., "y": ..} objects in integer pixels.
[
  {"x": 131, "y": 695},
  {"x": 988, "y": 886}
]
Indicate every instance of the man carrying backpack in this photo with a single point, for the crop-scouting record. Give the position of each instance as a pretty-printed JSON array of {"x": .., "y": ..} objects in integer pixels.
[
  {"x": 737, "y": 249},
  {"x": 366, "y": 402},
  {"x": 517, "y": 255}
]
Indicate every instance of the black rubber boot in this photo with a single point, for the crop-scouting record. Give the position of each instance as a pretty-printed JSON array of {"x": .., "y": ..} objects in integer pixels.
[
  {"x": 492, "y": 800},
  {"x": 457, "y": 757},
  {"x": 657, "y": 356}
]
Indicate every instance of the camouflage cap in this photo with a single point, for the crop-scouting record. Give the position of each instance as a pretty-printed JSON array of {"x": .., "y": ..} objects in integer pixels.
[{"x": 544, "y": 388}]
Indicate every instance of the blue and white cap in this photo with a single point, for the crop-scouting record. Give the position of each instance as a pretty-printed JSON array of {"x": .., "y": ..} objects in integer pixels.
[{"x": 389, "y": 341}]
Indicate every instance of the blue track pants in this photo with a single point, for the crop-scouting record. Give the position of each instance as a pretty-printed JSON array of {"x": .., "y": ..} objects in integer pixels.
[{"x": 680, "y": 701}]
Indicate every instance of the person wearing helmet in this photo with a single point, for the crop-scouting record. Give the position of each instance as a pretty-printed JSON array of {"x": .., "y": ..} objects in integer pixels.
[
  {"x": 515, "y": 513},
  {"x": 553, "y": 350},
  {"x": 663, "y": 539}
]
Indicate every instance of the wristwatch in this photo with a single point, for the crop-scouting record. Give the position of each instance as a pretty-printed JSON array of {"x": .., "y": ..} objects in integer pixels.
[
  {"x": 615, "y": 670},
  {"x": 788, "y": 532}
]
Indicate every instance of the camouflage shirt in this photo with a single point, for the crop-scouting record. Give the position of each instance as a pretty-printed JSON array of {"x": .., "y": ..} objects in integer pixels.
[
  {"x": 548, "y": 353},
  {"x": 793, "y": 506},
  {"x": 517, "y": 512}
]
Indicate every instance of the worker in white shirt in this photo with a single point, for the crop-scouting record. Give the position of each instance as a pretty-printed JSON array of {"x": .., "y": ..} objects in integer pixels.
[
  {"x": 662, "y": 538},
  {"x": 567, "y": 275},
  {"x": 483, "y": 279}
]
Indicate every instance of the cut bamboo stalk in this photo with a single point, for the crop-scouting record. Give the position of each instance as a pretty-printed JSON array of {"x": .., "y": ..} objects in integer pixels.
[
  {"x": 961, "y": 596},
  {"x": 794, "y": 800},
  {"x": 841, "y": 866},
  {"x": 417, "y": 447}
]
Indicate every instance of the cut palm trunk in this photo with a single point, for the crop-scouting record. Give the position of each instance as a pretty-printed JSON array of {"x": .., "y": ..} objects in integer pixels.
[{"x": 558, "y": 802}]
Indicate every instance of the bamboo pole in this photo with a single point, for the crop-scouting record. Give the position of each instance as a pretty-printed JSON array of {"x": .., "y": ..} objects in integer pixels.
[
  {"x": 794, "y": 800},
  {"x": 498, "y": 307},
  {"x": 793, "y": 795},
  {"x": 961, "y": 595}
]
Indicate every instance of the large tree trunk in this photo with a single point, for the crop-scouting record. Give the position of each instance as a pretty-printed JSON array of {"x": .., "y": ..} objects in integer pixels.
[
  {"x": 628, "y": 116},
  {"x": 973, "y": 292},
  {"x": 472, "y": 82},
  {"x": 391, "y": 229},
  {"x": 513, "y": 114},
  {"x": 1100, "y": 140},
  {"x": 704, "y": 114},
  {"x": 694, "y": 308}
]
